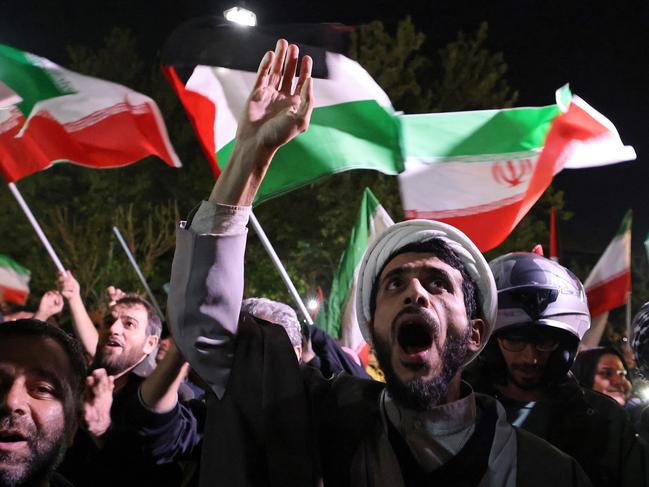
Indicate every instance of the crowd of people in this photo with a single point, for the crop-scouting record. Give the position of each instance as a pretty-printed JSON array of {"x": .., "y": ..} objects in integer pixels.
[{"x": 485, "y": 384}]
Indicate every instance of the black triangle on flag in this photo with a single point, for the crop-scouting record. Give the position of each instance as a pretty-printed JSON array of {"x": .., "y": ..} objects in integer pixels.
[{"x": 214, "y": 41}]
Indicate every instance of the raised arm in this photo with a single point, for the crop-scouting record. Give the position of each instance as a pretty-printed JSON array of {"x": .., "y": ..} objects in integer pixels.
[
  {"x": 83, "y": 326},
  {"x": 207, "y": 273},
  {"x": 159, "y": 391}
]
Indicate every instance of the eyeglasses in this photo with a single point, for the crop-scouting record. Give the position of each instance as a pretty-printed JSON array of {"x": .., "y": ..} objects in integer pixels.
[
  {"x": 541, "y": 344},
  {"x": 610, "y": 373}
]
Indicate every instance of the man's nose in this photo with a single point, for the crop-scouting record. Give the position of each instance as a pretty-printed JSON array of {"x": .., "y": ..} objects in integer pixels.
[
  {"x": 15, "y": 398},
  {"x": 117, "y": 327},
  {"x": 530, "y": 353},
  {"x": 416, "y": 294}
]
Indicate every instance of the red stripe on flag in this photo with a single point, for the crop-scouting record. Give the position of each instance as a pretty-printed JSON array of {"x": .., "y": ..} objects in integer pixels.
[
  {"x": 488, "y": 229},
  {"x": 201, "y": 113},
  {"x": 609, "y": 294},
  {"x": 15, "y": 296},
  {"x": 116, "y": 140}
]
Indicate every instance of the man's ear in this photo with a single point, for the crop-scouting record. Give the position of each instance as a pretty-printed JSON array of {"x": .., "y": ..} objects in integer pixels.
[
  {"x": 150, "y": 343},
  {"x": 477, "y": 335}
]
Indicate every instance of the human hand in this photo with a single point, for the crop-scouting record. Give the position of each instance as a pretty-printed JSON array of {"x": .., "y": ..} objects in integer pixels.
[
  {"x": 69, "y": 285},
  {"x": 115, "y": 294},
  {"x": 97, "y": 401},
  {"x": 51, "y": 304},
  {"x": 275, "y": 112}
]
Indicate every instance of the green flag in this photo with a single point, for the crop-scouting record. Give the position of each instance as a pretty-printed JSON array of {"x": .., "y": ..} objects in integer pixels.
[{"x": 340, "y": 317}]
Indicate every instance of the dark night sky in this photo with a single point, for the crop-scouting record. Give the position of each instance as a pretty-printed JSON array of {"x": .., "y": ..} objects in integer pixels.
[{"x": 601, "y": 52}]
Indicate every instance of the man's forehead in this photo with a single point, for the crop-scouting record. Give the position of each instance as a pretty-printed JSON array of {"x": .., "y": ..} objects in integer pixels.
[
  {"x": 34, "y": 352},
  {"x": 418, "y": 260},
  {"x": 129, "y": 309}
]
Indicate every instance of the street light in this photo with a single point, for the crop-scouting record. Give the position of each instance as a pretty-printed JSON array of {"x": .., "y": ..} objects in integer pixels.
[{"x": 241, "y": 16}]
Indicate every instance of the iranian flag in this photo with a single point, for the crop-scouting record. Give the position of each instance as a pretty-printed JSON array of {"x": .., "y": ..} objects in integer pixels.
[
  {"x": 609, "y": 284},
  {"x": 14, "y": 281},
  {"x": 51, "y": 114},
  {"x": 352, "y": 125},
  {"x": 482, "y": 171},
  {"x": 340, "y": 317}
]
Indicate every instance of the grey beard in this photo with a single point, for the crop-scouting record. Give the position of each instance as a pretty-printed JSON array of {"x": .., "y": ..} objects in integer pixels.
[
  {"x": 46, "y": 455},
  {"x": 421, "y": 394}
]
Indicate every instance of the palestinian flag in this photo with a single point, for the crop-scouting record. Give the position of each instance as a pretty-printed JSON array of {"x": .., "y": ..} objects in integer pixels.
[
  {"x": 609, "y": 284},
  {"x": 212, "y": 68},
  {"x": 340, "y": 317},
  {"x": 14, "y": 281},
  {"x": 57, "y": 115},
  {"x": 482, "y": 171}
]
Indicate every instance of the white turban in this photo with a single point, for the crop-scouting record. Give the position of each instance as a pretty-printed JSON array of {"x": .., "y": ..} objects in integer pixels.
[{"x": 412, "y": 231}]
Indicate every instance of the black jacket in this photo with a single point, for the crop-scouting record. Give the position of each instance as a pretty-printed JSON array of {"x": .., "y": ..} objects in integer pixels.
[{"x": 591, "y": 428}]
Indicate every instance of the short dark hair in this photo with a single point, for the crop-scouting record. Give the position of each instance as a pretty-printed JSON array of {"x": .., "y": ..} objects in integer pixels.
[
  {"x": 71, "y": 347},
  {"x": 444, "y": 253},
  {"x": 154, "y": 322}
]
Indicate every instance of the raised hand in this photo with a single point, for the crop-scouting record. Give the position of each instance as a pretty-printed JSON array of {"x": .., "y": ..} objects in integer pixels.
[
  {"x": 51, "y": 304},
  {"x": 97, "y": 401},
  {"x": 275, "y": 111},
  {"x": 69, "y": 285},
  {"x": 115, "y": 294}
]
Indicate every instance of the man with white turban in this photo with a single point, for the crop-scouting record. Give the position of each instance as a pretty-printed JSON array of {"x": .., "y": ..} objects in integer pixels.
[{"x": 426, "y": 299}]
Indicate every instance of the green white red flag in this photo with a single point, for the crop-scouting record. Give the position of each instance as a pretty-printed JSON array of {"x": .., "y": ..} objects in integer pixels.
[
  {"x": 52, "y": 115},
  {"x": 340, "y": 316},
  {"x": 352, "y": 125},
  {"x": 609, "y": 284},
  {"x": 482, "y": 171},
  {"x": 14, "y": 281}
]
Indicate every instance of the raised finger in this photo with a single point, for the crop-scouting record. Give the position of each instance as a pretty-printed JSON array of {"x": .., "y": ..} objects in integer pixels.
[
  {"x": 305, "y": 73},
  {"x": 278, "y": 63},
  {"x": 306, "y": 104},
  {"x": 290, "y": 68},
  {"x": 262, "y": 71}
]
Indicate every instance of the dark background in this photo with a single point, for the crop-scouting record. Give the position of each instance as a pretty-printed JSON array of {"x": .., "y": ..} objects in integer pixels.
[{"x": 601, "y": 52}]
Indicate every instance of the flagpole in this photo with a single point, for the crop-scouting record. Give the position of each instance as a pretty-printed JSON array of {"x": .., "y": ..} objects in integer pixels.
[
  {"x": 628, "y": 318},
  {"x": 136, "y": 267},
  {"x": 37, "y": 228},
  {"x": 280, "y": 267}
]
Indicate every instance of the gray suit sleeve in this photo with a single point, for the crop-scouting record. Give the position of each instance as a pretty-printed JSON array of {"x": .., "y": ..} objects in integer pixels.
[{"x": 205, "y": 301}]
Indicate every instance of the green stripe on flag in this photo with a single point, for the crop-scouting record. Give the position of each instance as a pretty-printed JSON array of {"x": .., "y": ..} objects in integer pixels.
[
  {"x": 625, "y": 226},
  {"x": 344, "y": 280},
  {"x": 21, "y": 72},
  {"x": 354, "y": 135},
  {"x": 9, "y": 263},
  {"x": 476, "y": 133}
]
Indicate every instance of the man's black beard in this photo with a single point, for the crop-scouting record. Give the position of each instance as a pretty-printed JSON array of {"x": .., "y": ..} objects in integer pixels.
[
  {"x": 116, "y": 365},
  {"x": 420, "y": 394},
  {"x": 46, "y": 455}
]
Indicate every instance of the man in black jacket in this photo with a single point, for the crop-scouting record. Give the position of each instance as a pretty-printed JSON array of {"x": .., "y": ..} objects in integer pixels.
[{"x": 542, "y": 315}]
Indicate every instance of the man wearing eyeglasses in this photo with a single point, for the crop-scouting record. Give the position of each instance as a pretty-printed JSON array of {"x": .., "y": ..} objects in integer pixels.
[{"x": 542, "y": 316}]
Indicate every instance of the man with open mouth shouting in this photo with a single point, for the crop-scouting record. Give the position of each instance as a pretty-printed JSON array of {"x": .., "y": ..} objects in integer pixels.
[
  {"x": 426, "y": 298},
  {"x": 42, "y": 377}
]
